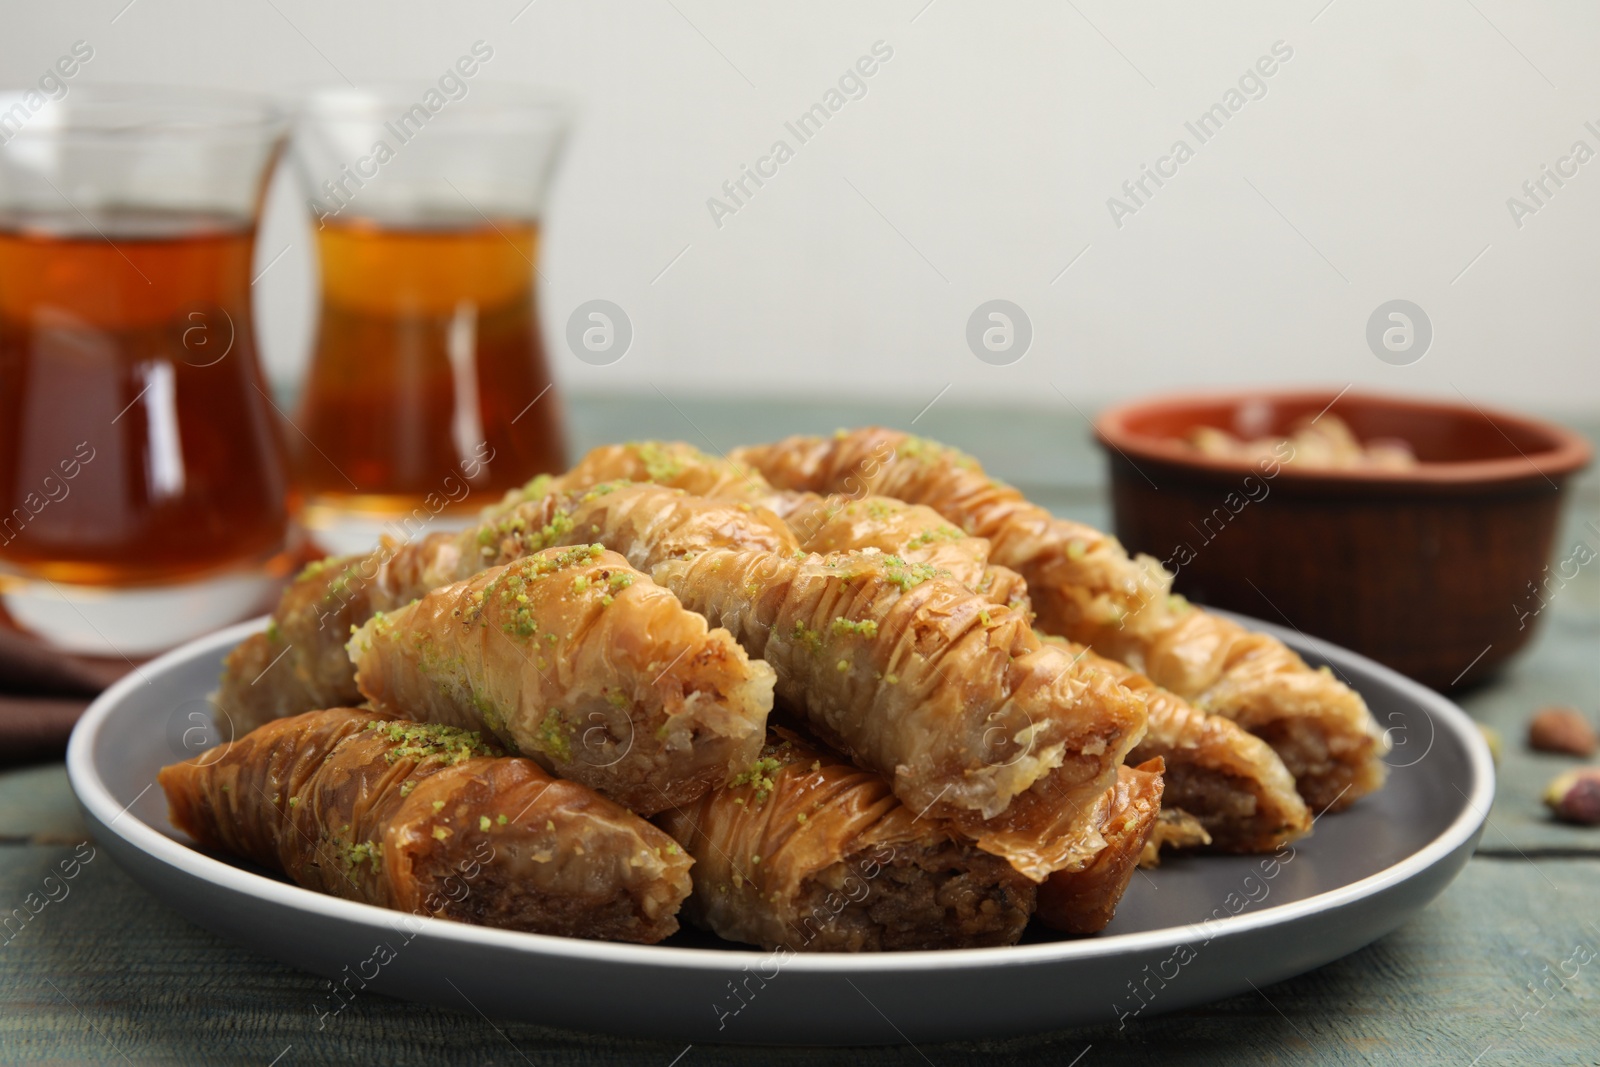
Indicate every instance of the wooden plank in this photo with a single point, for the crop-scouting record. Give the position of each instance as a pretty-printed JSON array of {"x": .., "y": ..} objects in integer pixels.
[{"x": 1443, "y": 989}]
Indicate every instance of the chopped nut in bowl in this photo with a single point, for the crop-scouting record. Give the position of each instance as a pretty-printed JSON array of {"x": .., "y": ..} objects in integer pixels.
[{"x": 1403, "y": 528}]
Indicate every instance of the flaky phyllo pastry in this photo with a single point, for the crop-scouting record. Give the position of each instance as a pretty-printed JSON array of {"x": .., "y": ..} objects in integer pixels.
[
  {"x": 575, "y": 659},
  {"x": 1084, "y": 901},
  {"x": 1229, "y": 781},
  {"x": 1085, "y": 587},
  {"x": 432, "y": 821},
  {"x": 299, "y": 663},
  {"x": 916, "y": 534},
  {"x": 976, "y": 722},
  {"x": 809, "y": 853},
  {"x": 1235, "y": 787}
]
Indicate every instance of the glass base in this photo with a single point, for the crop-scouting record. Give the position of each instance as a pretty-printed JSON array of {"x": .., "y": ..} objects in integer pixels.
[
  {"x": 131, "y": 621},
  {"x": 343, "y": 530}
]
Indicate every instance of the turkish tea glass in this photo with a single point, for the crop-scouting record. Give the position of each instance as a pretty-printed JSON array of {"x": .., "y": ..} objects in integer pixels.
[
  {"x": 429, "y": 394},
  {"x": 143, "y": 490}
]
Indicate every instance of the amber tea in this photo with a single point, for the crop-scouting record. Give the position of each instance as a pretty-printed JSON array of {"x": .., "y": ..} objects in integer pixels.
[
  {"x": 135, "y": 446},
  {"x": 428, "y": 372}
]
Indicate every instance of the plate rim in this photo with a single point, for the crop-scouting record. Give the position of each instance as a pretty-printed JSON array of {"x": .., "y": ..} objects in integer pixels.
[{"x": 104, "y": 811}]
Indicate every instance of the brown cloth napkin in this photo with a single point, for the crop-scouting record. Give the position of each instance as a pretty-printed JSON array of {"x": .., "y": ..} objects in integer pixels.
[{"x": 42, "y": 693}]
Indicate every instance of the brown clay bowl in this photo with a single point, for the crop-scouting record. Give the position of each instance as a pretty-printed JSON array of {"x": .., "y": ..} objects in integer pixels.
[{"x": 1436, "y": 571}]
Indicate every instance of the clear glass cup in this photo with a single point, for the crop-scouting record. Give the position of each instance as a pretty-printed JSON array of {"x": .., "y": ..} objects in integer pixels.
[
  {"x": 428, "y": 394},
  {"x": 143, "y": 491}
]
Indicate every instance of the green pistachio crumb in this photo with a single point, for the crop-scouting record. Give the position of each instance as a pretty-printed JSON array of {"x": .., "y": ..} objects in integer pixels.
[
  {"x": 759, "y": 777},
  {"x": 866, "y": 628}
]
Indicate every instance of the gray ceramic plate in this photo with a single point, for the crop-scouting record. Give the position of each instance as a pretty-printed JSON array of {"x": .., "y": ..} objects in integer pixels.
[{"x": 1192, "y": 931}]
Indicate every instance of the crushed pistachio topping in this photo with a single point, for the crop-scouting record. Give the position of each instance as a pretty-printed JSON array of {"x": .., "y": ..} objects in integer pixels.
[
  {"x": 804, "y": 635},
  {"x": 515, "y": 527},
  {"x": 312, "y": 569},
  {"x": 406, "y": 787},
  {"x": 438, "y": 806},
  {"x": 554, "y": 735},
  {"x": 424, "y": 740},
  {"x": 294, "y": 802},
  {"x": 483, "y": 822},
  {"x": 534, "y": 490},
  {"x": 440, "y": 833},
  {"x": 865, "y": 628},
  {"x": 604, "y": 489},
  {"x": 500, "y": 820},
  {"x": 760, "y": 776},
  {"x": 938, "y": 533},
  {"x": 364, "y": 852},
  {"x": 511, "y": 587},
  {"x": 662, "y": 463},
  {"x": 843, "y": 666},
  {"x": 273, "y": 633},
  {"x": 908, "y": 575}
]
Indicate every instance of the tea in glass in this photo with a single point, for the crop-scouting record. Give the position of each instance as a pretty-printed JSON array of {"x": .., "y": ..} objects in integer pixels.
[
  {"x": 143, "y": 495},
  {"x": 429, "y": 393}
]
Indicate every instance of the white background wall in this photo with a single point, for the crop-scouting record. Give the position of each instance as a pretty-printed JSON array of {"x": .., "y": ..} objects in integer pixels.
[{"x": 978, "y": 166}]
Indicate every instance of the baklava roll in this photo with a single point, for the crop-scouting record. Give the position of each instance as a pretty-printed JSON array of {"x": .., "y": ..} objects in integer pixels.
[
  {"x": 1232, "y": 782},
  {"x": 1085, "y": 901},
  {"x": 673, "y": 464},
  {"x": 576, "y": 660},
  {"x": 299, "y": 662},
  {"x": 808, "y": 853},
  {"x": 1084, "y": 586},
  {"x": 433, "y": 821},
  {"x": 1317, "y": 725},
  {"x": 1081, "y": 580},
  {"x": 913, "y": 675},
  {"x": 646, "y": 523},
  {"x": 917, "y": 534}
]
